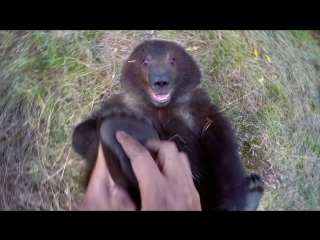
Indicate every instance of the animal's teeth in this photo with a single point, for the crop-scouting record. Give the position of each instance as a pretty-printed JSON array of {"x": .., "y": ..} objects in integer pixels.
[{"x": 161, "y": 97}]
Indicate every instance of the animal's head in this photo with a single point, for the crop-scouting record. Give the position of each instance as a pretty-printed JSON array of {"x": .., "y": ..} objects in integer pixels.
[{"x": 159, "y": 71}]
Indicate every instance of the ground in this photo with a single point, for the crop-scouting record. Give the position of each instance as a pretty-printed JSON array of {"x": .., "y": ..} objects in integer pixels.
[{"x": 266, "y": 82}]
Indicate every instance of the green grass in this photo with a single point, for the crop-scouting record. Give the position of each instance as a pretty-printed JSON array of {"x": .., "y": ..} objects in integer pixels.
[{"x": 51, "y": 80}]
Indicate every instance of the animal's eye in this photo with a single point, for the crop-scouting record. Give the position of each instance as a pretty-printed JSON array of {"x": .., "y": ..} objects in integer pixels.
[
  {"x": 145, "y": 62},
  {"x": 172, "y": 61}
]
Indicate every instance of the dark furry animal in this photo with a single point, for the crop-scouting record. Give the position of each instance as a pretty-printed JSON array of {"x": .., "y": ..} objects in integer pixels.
[{"x": 159, "y": 89}]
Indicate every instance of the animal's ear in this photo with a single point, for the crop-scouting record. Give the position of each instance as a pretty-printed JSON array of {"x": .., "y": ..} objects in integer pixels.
[{"x": 85, "y": 139}]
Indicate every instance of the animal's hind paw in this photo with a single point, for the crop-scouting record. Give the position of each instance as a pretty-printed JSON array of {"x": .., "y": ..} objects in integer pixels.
[{"x": 255, "y": 190}]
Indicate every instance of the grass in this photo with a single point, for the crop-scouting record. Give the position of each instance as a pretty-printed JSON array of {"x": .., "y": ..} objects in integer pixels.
[{"x": 51, "y": 80}]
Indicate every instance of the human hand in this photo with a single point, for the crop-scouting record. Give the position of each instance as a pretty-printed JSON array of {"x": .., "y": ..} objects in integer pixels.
[
  {"x": 102, "y": 193},
  {"x": 165, "y": 184}
]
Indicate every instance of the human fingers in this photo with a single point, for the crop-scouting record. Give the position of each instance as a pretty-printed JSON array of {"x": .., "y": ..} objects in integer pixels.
[
  {"x": 121, "y": 199},
  {"x": 185, "y": 167},
  {"x": 168, "y": 158},
  {"x": 101, "y": 169},
  {"x": 102, "y": 193},
  {"x": 143, "y": 164},
  {"x": 177, "y": 168}
]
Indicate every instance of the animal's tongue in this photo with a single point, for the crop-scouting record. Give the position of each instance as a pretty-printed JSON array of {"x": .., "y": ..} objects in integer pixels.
[{"x": 161, "y": 97}]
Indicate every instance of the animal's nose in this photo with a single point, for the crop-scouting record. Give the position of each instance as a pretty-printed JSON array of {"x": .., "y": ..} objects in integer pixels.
[{"x": 161, "y": 83}]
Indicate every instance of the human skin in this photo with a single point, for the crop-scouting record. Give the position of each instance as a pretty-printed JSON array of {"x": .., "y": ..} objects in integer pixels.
[{"x": 165, "y": 183}]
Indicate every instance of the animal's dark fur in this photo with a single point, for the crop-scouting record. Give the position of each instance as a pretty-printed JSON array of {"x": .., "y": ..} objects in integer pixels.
[{"x": 161, "y": 67}]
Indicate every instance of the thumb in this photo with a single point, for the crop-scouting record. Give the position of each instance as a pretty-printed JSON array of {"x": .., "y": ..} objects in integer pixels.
[{"x": 122, "y": 199}]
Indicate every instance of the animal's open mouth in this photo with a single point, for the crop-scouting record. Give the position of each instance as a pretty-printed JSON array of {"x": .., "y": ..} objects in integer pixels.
[{"x": 161, "y": 98}]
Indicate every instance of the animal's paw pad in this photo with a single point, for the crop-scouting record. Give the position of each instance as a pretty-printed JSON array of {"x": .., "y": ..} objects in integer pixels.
[{"x": 123, "y": 113}]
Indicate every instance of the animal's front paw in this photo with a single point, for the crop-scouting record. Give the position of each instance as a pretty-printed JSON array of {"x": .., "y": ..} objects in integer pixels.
[{"x": 137, "y": 125}]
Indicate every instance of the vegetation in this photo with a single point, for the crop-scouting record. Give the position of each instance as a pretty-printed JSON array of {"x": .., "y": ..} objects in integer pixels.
[{"x": 266, "y": 82}]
